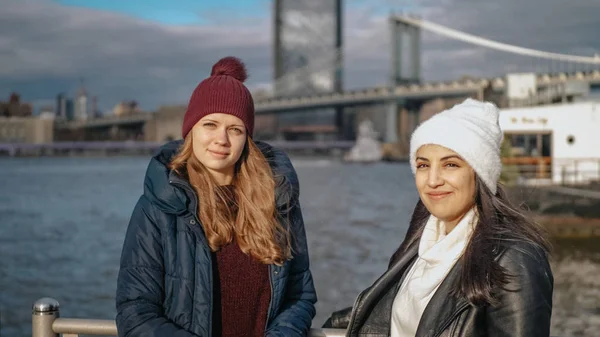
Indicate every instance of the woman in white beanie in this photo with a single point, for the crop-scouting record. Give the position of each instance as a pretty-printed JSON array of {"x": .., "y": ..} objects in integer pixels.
[{"x": 471, "y": 263}]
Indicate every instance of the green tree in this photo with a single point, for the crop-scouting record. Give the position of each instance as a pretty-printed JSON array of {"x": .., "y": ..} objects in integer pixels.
[{"x": 510, "y": 173}]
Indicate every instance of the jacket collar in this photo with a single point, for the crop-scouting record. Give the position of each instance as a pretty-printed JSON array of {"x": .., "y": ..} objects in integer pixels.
[
  {"x": 370, "y": 297},
  {"x": 443, "y": 307}
]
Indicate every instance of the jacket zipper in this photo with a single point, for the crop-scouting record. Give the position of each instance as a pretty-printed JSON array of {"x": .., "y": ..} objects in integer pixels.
[
  {"x": 270, "y": 300},
  {"x": 271, "y": 267},
  {"x": 212, "y": 304}
]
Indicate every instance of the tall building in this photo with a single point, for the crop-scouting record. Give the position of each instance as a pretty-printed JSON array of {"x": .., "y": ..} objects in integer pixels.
[
  {"x": 307, "y": 46},
  {"x": 81, "y": 104},
  {"x": 307, "y": 61},
  {"x": 94, "y": 113},
  {"x": 61, "y": 106},
  {"x": 69, "y": 109}
]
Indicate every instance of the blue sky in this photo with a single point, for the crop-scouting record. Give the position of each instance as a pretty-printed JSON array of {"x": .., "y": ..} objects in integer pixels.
[
  {"x": 177, "y": 12},
  {"x": 184, "y": 12}
]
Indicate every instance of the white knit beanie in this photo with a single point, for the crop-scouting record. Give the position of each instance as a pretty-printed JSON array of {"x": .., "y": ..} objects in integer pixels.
[{"x": 470, "y": 129}]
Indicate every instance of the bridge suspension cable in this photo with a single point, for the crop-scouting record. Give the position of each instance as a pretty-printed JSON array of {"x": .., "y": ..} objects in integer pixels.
[
  {"x": 330, "y": 59},
  {"x": 473, "y": 39}
]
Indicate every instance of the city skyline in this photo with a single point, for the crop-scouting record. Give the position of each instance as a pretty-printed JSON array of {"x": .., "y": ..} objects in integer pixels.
[{"x": 156, "y": 53}]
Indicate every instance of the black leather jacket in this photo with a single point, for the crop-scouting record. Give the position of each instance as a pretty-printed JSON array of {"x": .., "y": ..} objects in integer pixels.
[{"x": 524, "y": 309}]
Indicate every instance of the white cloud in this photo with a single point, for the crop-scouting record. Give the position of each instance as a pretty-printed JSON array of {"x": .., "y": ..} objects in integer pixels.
[
  {"x": 45, "y": 48},
  {"x": 119, "y": 57}
]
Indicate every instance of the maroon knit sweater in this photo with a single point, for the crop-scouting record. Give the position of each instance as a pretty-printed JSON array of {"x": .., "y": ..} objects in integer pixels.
[{"x": 241, "y": 293}]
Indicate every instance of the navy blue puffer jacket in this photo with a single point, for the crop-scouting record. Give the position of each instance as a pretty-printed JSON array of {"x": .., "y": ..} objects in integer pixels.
[{"x": 164, "y": 286}]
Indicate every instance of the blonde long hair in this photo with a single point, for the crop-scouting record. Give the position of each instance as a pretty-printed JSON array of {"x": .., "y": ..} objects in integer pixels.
[{"x": 247, "y": 215}]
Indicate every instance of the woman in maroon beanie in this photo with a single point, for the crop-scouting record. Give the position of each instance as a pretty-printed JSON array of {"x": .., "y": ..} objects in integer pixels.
[{"x": 216, "y": 243}]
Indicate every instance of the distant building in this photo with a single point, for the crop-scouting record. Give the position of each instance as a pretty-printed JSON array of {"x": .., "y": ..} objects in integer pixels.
[
  {"x": 126, "y": 108},
  {"x": 31, "y": 130},
  {"x": 15, "y": 108},
  {"x": 554, "y": 143},
  {"x": 47, "y": 112},
  {"x": 165, "y": 124},
  {"x": 61, "y": 106},
  {"x": 307, "y": 40},
  {"x": 94, "y": 112},
  {"x": 81, "y": 104},
  {"x": 69, "y": 109}
]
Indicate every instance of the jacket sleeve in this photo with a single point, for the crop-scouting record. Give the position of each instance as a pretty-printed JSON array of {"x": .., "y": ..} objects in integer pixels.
[
  {"x": 140, "y": 284},
  {"x": 339, "y": 319},
  {"x": 525, "y": 303},
  {"x": 298, "y": 308}
]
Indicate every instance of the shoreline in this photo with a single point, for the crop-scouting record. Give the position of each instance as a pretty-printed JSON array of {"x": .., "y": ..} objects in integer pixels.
[
  {"x": 569, "y": 226},
  {"x": 563, "y": 216}
]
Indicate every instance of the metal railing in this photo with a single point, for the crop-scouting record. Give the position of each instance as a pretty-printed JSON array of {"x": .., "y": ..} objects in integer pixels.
[
  {"x": 556, "y": 171},
  {"x": 46, "y": 322},
  {"x": 555, "y": 92}
]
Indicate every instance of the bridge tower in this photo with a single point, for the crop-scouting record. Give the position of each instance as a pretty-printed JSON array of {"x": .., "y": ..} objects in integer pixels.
[
  {"x": 81, "y": 103},
  {"x": 307, "y": 58},
  {"x": 405, "y": 51},
  {"x": 405, "y": 66}
]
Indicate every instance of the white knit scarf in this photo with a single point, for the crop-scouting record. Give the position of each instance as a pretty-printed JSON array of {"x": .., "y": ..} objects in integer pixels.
[{"x": 438, "y": 253}]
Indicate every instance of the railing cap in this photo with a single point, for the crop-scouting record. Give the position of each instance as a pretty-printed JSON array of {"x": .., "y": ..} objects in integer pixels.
[{"x": 46, "y": 304}]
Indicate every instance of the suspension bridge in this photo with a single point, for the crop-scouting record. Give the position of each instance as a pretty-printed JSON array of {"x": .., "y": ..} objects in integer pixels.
[
  {"x": 308, "y": 88},
  {"x": 588, "y": 72}
]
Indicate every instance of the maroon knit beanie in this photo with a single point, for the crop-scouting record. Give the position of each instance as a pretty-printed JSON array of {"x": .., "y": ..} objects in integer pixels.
[{"x": 223, "y": 92}]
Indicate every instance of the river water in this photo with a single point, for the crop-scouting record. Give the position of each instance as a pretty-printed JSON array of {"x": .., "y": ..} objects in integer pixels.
[{"x": 63, "y": 221}]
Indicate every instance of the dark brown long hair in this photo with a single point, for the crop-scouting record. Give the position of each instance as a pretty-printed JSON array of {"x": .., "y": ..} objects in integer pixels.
[{"x": 500, "y": 225}]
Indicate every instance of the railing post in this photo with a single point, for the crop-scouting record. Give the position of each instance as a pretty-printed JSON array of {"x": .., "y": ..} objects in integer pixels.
[{"x": 45, "y": 311}]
